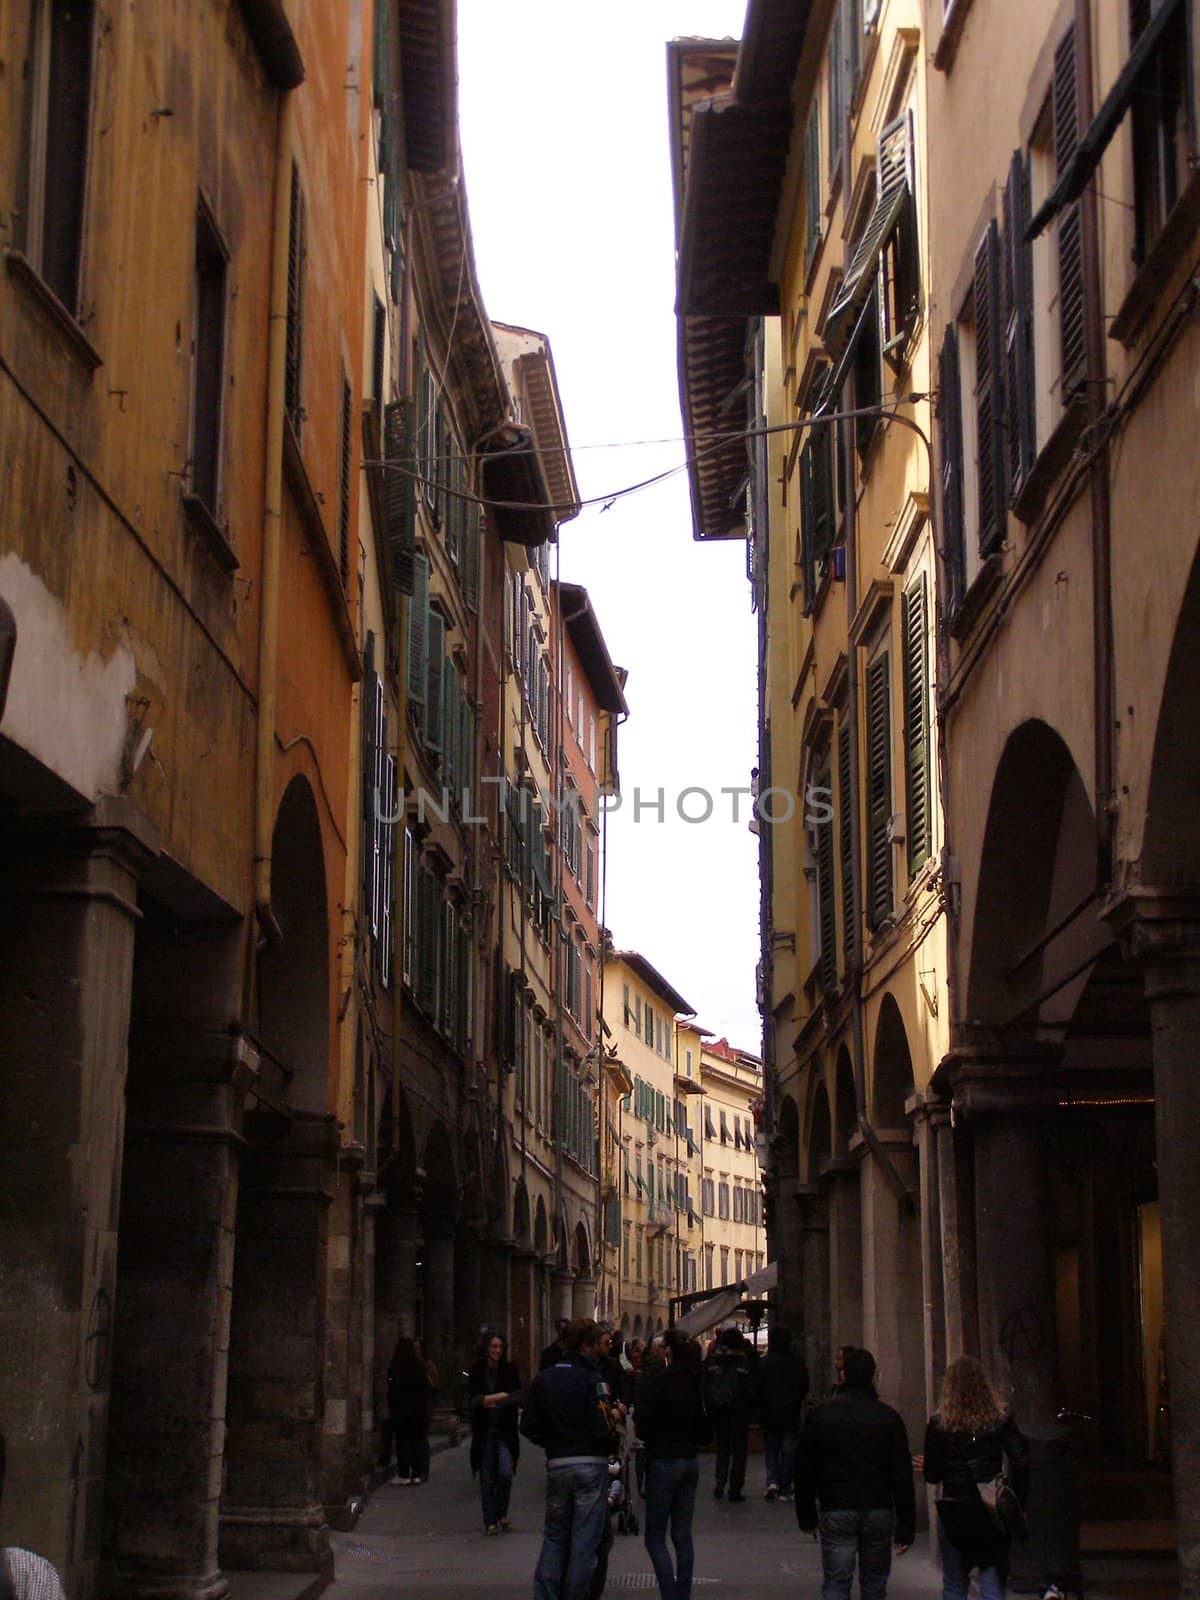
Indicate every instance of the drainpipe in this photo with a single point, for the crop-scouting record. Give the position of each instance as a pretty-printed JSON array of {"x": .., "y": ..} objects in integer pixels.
[
  {"x": 268, "y": 622},
  {"x": 1101, "y": 499}
]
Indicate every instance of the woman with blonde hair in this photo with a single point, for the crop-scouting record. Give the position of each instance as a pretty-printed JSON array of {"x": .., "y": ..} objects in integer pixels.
[{"x": 970, "y": 1443}]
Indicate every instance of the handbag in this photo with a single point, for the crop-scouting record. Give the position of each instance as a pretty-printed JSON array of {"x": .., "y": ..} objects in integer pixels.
[{"x": 1001, "y": 1504}]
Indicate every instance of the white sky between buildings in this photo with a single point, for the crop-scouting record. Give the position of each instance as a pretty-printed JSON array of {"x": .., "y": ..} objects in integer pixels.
[{"x": 567, "y": 165}]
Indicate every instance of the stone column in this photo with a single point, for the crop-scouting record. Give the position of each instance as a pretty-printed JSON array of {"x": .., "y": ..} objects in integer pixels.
[
  {"x": 843, "y": 1186},
  {"x": 495, "y": 1298},
  {"x": 171, "y": 1334},
  {"x": 786, "y": 1243},
  {"x": 956, "y": 1219},
  {"x": 931, "y": 1253},
  {"x": 562, "y": 1298},
  {"x": 1165, "y": 935},
  {"x": 1005, "y": 1102},
  {"x": 583, "y": 1297},
  {"x": 439, "y": 1306},
  {"x": 811, "y": 1203},
  {"x": 468, "y": 1316},
  {"x": 523, "y": 1322},
  {"x": 893, "y": 1296},
  {"x": 271, "y": 1512},
  {"x": 341, "y": 1436},
  {"x": 68, "y": 908}
]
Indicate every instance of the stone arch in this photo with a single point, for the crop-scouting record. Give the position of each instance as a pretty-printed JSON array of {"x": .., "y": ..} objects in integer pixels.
[
  {"x": 787, "y": 1140},
  {"x": 892, "y": 1077},
  {"x": 1038, "y": 865},
  {"x": 1170, "y": 852},
  {"x": 845, "y": 1115},
  {"x": 293, "y": 971},
  {"x": 637, "y": 1326},
  {"x": 820, "y": 1132},
  {"x": 582, "y": 1250},
  {"x": 541, "y": 1230},
  {"x": 522, "y": 1225}
]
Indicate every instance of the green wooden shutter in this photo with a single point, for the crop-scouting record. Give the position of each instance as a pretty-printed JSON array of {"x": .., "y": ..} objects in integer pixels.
[
  {"x": 433, "y": 726},
  {"x": 846, "y": 846},
  {"x": 989, "y": 394},
  {"x": 918, "y": 799},
  {"x": 371, "y": 691},
  {"x": 399, "y": 497},
  {"x": 879, "y": 791},
  {"x": 1065, "y": 100},
  {"x": 1021, "y": 403},
  {"x": 950, "y": 447},
  {"x": 826, "y": 901},
  {"x": 418, "y": 638},
  {"x": 471, "y": 553}
]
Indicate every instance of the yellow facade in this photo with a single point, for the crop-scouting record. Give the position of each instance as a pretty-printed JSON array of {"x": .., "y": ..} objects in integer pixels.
[{"x": 731, "y": 1202}]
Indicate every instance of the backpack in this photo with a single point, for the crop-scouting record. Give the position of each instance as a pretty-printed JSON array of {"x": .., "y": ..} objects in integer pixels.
[{"x": 722, "y": 1385}]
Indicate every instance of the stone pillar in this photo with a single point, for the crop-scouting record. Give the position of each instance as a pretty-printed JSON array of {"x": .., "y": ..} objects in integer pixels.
[
  {"x": 523, "y": 1324},
  {"x": 341, "y": 1434},
  {"x": 495, "y": 1300},
  {"x": 786, "y": 1244},
  {"x": 956, "y": 1219},
  {"x": 1005, "y": 1100},
  {"x": 814, "y": 1267},
  {"x": 562, "y": 1298},
  {"x": 439, "y": 1306},
  {"x": 68, "y": 908},
  {"x": 1165, "y": 935},
  {"x": 583, "y": 1297},
  {"x": 468, "y": 1316},
  {"x": 171, "y": 1333},
  {"x": 934, "y": 1341},
  {"x": 893, "y": 1293},
  {"x": 271, "y": 1512},
  {"x": 843, "y": 1187}
]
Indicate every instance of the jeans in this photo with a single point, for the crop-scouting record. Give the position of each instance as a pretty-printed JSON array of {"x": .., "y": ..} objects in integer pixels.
[
  {"x": 603, "y": 1551},
  {"x": 576, "y": 1512},
  {"x": 732, "y": 1428},
  {"x": 671, "y": 1483},
  {"x": 411, "y": 1436},
  {"x": 956, "y": 1575},
  {"x": 780, "y": 1452},
  {"x": 865, "y": 1536},
  {"x": 495, "y": 1479}
]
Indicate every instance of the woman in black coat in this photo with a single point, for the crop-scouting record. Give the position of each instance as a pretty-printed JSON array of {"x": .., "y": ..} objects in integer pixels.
[
  {"x": 670, "y": 1420},
  {"x": 970, "y": 1441},
  {"x": 409, "y": 1389},
  {"x": 494, "y": 1395}
]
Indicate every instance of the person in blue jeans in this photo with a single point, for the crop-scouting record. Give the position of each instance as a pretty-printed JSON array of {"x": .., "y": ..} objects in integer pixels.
[
  {"x": 854, "y": 1483},
  {"x": 569, "y": 1413},
  {"x": 494, "y": 1395},
  {"x": 782, "y": 1391},
  {"x": 672, "y": 1424},
  {"x": 970, "y": 1440}
]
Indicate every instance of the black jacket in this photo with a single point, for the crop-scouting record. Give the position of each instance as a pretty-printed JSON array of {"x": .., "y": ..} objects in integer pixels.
[
  {"x": 728, "y": 1381},
  {"x": 959, "y": 1460},
  {"x": 501, "y": 1419},
  {"x": 782, "y": 1390},
  {"x": 568, "y": 1410},
  {"x": 854, "y": 1456},
  {"x": 668, "y": 1412}
]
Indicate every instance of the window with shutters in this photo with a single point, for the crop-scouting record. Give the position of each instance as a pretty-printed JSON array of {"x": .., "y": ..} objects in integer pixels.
[
  {"x": 345, "y": 465},
  {"x": 208, "y": 360},
  {"x": 951, "y": 470},
  {"x": 836, "y": 77},
  {"x": 990, "y": 458},
  {"x": 1065, "y": 111},
  {"x": 879, "y": 895},
  {"x": 293, "y": 374},
  {"x": 1020, "y": 386},
  {"x": 378, "y": 348},
  {"x": 59, "y": 78},
  {"x": 1159, "y": 103},
  {"x": 818, "y": 506},
  {"x": 433, "y": 723},
  {"x": 409, "y": 957},
  {"x": 399, "y": 494},
  {"x": 868, "y": 374},
  {"x": 813, "y": 186},
  {"x": 918, "y": 815}
]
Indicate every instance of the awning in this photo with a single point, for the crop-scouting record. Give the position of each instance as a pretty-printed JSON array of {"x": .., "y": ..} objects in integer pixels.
[
  {"x": 1106, "y": 121},
  {"x": 723, "y": 1302}
]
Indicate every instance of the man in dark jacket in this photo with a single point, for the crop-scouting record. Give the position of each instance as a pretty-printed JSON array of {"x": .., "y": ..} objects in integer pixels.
[
  {"x": 782, "y": 1391},
  {"x": 729, "y": 1392},
  {"x": 557, "y": 1348},
  {"x": 568, "y": 1412},
  {"x": 854, "y": 1464}
]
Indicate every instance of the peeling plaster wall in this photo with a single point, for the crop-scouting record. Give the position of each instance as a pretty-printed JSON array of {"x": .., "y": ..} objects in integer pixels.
[{"x": 66, "y": 708}]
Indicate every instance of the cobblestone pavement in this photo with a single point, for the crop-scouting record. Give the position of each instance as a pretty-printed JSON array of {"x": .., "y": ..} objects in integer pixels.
[{"x": 427, "y": 1543}]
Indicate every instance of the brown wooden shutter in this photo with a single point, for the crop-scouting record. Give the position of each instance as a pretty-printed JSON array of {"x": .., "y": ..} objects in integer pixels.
[
  {"x": 435, "y": 636},
  {"x": 989, "y": 394},
  {"x": 294, "y": 343},
  {"x": 1021, "y": 404},
  {"x": 68, "y": 100},
  {"x": 208, "y": 360},
  {"x": 879, "y": 792},
  {"x": 950, "y": 447},
  {"x": 1070, "y": 233},
  {"x": 418, "y": 637},
  {"x": 826, "y": 894},
  {"x": 918, "y": 807}
]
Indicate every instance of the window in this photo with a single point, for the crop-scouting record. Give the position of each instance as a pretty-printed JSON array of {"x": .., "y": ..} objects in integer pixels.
[
  {"x": 989, "y": 396},
  {"x": 61, "y": 89},
  {"x": 724, "y": 1128},
  {"x": 398, "y": 496},
  {"x": 1019, "y": 373},
  {"x": 1065, "y": 102},
  {"x": 846, "y": 844},
  {"x": 918, "y": 796},
  {"x": 879, "y": 791},
  {"x": 294, "y": 338},
  {"x": 812, "y": 184},
  {"x": 723, "y": 1201},
  {"x": 626, "y": 1012},
  {"x": 818, "y": 510},
  {"x": 208, "y": 360},
  {"x": 707, "y": 1189},
  {"x": 826, "y": 888},
  {"x": 837, "y": 93},
  {"x": 952, "y": 469}
]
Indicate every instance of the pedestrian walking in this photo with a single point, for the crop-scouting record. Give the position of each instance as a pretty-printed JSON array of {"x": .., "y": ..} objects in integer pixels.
[
  {"x": 979, "y": 1459},
  {"x": 23, "y": 1575},
  {"x": 673, "y": 1426},
  {"x": 494, "y": 1396},
  {"x": 854, "y": 1482},
  {"x": 782, "y": 1391},
  {"x": 728, "y": 1386},
  {"x": 568, "y": 1412},
  {"x": 409, "y": 1391},
  {"x": 557, "y": 1348}
]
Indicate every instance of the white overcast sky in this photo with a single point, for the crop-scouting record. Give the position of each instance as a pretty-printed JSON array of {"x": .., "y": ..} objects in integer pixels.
[{"x": 567, "y": 165}]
